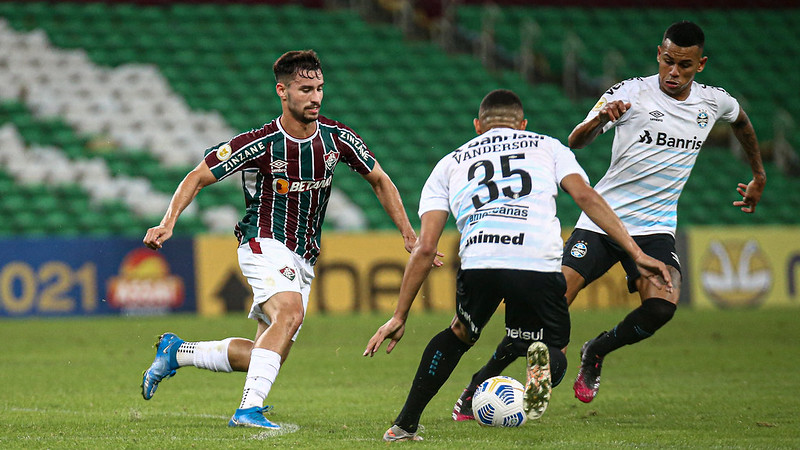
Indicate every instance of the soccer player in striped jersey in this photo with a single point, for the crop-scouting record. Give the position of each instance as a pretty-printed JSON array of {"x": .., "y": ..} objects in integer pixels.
[
  {"x": 287, "y": 168},
  {"x": 660, "y": 123},
  {"x": 501, "y": 188}
]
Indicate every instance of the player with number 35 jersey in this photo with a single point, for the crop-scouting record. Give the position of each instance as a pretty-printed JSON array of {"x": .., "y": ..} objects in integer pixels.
[{"x": 502, "y": 187}]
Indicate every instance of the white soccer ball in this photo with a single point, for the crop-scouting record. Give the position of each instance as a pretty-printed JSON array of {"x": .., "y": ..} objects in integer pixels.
[{"x": 498, "y": 403}]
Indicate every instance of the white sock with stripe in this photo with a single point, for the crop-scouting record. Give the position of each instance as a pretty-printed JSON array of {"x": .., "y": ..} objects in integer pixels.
[
  {"x": 211, "y": 355},
  {"x": 264, "y": 367}
]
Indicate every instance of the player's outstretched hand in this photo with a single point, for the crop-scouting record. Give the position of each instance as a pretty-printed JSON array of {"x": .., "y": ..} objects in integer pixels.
[
  {"x": 156, "y": 236},
  {"x": 613, "y": 111},
  {"x": 655, "y": 272},
  {"x": 751, "y": 195},
  {"x": 393, "y": 329}
]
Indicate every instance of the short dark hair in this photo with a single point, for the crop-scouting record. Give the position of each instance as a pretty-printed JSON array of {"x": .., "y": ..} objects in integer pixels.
[
  {"x": 685, "y": 34},
  {"x": 293, "y": 62},
  {"x": 501, "y": 102}
]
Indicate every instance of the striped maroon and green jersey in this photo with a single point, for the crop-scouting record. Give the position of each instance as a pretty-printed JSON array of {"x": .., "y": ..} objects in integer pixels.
[{"x": 287, "y": 181}]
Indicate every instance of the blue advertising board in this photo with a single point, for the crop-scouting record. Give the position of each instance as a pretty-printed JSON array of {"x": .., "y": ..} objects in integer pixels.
[{"x": 75, "y": 276}]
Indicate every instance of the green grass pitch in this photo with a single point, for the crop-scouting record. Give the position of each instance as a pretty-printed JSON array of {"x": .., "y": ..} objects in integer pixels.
[{"x": 710, "y": 379}]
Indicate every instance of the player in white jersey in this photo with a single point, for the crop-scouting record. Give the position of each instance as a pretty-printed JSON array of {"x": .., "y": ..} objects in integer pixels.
[
  {"x": 501, "y": 188},
  {"x": 660, "y": 123}
]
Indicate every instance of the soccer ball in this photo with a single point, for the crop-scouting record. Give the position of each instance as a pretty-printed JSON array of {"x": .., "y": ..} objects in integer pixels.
[{"x": 498, "y": 403}]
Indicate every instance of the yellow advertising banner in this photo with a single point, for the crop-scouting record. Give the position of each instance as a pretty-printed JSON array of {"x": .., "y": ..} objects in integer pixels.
[
  {"x": 355, "y": 273},
  {"x": 744, "y": 267},
  {"x": 361, "y": 272}
]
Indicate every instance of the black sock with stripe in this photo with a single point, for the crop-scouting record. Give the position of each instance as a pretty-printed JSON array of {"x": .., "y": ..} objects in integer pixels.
[{"x": 438, "y": 361}]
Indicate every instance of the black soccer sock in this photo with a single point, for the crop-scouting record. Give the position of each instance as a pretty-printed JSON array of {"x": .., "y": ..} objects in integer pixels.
[
  {"x": 505, "y": 354},
  {"x": 640, "y": 324},
  {"x": 558, "y": 365},
  {"x": 438, "y": 361}
]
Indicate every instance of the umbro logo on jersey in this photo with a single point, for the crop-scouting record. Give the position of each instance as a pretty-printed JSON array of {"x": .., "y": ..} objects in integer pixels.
[
  {"x": 656, "y": 116},
  {"x": 278, "y": 166},
  {"x": 646, "y": 138}
]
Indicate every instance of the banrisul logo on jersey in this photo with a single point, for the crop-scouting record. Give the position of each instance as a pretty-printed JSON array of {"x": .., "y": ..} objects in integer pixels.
[{"x": 665, "y": 140}]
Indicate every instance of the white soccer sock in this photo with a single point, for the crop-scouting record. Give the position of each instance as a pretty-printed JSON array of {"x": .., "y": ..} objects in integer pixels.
[
  {"x": 211, "y": 355},
  {"x": 264, "y": 367}
]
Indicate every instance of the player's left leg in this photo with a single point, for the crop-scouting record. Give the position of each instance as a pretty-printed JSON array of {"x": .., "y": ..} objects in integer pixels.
[
  {"x": 172, "y": 353},
  {"x": 657, "y": 308},
  {"x": 281, "y": 285},
  {"x": 477, "y": 297}
]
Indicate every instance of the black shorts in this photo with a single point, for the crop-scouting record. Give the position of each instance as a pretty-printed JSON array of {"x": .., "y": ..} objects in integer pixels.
[
  {"x": 536, "y": 309},
  {"x": 591, "y": 254}
]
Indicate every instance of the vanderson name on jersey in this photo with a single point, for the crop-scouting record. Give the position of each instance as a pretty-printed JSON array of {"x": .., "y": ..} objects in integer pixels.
[
  {"x": 655, "y": 147},
  {"x": 501, "y": 187}
]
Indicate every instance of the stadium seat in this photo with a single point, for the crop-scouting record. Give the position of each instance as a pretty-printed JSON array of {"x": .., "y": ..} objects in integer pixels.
[{"x": 409, "y": 100}]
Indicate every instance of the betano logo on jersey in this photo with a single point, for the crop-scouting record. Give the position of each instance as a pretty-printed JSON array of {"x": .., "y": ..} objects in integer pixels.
[
  {"x": 283, "y": 186},
  {"x": 144, "y": 283},
  {"x": 666, "y": 140},
  {"x": 735, "y": 273}
]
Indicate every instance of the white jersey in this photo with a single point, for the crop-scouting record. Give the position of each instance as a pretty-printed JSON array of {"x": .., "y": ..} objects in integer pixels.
[
  {"x": 501, "y": 188},
  {"x": 656, "y": 143}
]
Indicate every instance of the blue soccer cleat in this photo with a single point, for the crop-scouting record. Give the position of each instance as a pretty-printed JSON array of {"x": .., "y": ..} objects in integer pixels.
[
  {"x": 164, "y": 365},
  {"x": 252, "y": 417}
]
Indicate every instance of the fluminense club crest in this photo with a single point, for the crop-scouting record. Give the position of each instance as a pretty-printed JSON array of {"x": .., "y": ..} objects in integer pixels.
[{"x": 288, "y": 272}]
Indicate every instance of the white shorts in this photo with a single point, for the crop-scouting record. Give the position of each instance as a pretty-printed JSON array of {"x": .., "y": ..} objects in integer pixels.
[{"x": 270, "y": 268}]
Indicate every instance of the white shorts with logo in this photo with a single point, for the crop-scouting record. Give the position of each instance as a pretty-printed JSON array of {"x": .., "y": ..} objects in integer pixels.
[{"x": 270, "y": 268}]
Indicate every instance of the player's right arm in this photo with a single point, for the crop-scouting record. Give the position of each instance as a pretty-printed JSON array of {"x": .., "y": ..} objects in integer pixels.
[
  {"x": 601, "y": 214},
  {"x": 197, "y": 179},
  {"x": 417, "y": 269},
  {"x": 750, "y": 192},
  {"x": 586, "y": 131}
]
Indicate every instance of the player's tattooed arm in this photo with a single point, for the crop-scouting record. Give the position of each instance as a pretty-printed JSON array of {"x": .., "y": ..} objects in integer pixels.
[{"x": 750, "y": 192}]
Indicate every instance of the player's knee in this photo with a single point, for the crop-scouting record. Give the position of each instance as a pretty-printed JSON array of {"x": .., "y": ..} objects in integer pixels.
[
  {"x": 658, "y": 312},
  {"x": 290, "y": 316},
  {"x": 462, "y": 333}
]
